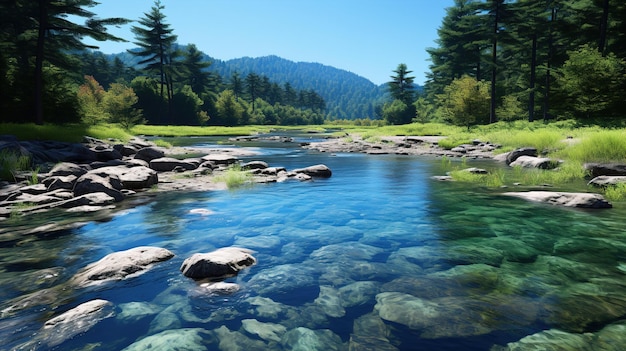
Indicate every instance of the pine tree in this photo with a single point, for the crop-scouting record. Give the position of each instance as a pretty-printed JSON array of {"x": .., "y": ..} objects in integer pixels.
[
  {"x": 155, "y": 41},
  {"x": 401, "y": 85}
]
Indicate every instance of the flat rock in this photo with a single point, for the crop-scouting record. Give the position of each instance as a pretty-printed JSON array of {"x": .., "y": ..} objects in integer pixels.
[
  {"x": 606, "y": 169},
  {"x": 221, "y": 263},
  {"x": 581, "y": 200},
  {"x": 167, "y": 164},
  {"x": 119, "y": 265},
  {"x": 604, "y": 181},
  {"x": 137, "y": 177},
  {"x": 534, "y": 162},
  {"x": 76, "y": 321}
]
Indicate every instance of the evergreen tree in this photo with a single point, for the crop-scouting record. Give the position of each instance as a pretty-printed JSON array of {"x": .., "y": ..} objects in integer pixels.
[
  {"x": 401, "y": 85},
  {"x": 155, "y": 41},
  {"x": 198, "y": 78}
]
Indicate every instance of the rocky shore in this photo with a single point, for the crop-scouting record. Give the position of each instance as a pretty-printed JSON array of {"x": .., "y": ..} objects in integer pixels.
[{"x": 96, "y": 177}]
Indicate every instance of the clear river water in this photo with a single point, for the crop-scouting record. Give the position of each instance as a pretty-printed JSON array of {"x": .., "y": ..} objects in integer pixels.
[{"x": 377, "y": 257}]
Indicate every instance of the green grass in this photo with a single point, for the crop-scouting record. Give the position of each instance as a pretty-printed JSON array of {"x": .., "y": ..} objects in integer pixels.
[
  {"x": 73, "y": 133},
  {"x": 10, "y": 163},
  {"x": 616, "y": 192},
  {"x": 178, "y": 131},
  {"x": 603, "y": 146},
  {"x": 234, "y": 177}
]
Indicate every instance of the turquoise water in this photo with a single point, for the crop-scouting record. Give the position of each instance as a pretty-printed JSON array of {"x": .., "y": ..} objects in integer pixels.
[{"x": 377, "y": 257}]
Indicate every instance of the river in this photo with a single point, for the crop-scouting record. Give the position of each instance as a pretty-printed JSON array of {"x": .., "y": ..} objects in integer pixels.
[{"x": 377, "y": 257}]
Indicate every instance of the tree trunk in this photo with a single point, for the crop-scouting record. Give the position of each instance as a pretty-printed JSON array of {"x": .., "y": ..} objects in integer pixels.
[
  {"x": 533, "y": 69},
  {"x": 546, "y": 95},
  {"x": 494, "y": 62},
  {"x": 604, "y": 27},
  {"x": 39, "y": 56}
]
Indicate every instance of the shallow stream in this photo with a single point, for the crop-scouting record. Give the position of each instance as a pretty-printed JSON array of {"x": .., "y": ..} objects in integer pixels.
[{"x": 377, "y": 257}]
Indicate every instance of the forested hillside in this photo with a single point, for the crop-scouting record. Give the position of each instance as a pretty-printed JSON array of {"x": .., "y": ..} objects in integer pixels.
[{"x": 347, "y": 95}]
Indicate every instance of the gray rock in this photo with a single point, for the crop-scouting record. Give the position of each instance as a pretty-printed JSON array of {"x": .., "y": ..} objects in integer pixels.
[
  {"x": 76, "y": 321},
  {"x": 605, "y": 181},
  {"x": 582, "y": 200},
  {"x": 132, "y": 312},
  {"x": 534, "y": 162},
  {"x": 149, "y": 153},
  {"x": 94, "y": 183},
  {"x": 138, "y": 177},
  {"x": 254, "y": 165},
  {"x": 320, "y": 170},
  {"x": 119, "y": 265},
  {"x": 36, "y": 189},
  {"x": 515, "y": 154},
  {"x": 60, "y": 182},
  {"x": 606, "y": 169},
  {"x": 168, "y": 164},
  {"x": 220, "y": 159},
  {"x": 91, "y": 199},
  {"x": 67, "y": 168},
  {"x": 221, "y": 263}
]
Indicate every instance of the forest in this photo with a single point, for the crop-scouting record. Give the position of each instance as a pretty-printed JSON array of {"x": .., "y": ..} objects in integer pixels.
[
  {"x": 494, "y": 60},
  {"x": 500, "y": 60},
  {"x": 47, "y": 74}
]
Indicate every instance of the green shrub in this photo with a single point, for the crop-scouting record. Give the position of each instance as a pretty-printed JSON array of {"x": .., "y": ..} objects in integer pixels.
[
  {"x": 12, "y": 162},
  {"x": 616, "y": 192},
  {"x": 234, "y": 177}
]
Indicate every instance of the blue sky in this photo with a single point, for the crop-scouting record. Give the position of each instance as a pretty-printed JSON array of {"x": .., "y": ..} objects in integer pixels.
[{"x": 366, "y": 37}]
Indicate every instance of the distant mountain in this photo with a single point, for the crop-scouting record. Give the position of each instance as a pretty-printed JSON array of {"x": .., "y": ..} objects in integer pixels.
[{"x": 347, "y": 95}]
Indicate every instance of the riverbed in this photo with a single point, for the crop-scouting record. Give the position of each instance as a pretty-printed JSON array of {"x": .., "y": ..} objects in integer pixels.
[{"x": 377, "y": 257}]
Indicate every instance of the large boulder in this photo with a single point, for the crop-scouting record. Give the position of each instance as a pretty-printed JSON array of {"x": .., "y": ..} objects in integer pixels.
[
  {"x": 65, "y": 169},
  {"x": 582, "y": 200},
  {"x": 535, "y": 162},
  {"x": 221, "y": 263},
  {"x": 138, "y": 177},
  {"x": 119, "y": 265},
  {"x": 99, "y": 182},
  {"x": 605, "y": 169},
  {"x": 166, "y": 164},
  {"x": 320, "y": 170},
  {"x": 149, "y": 153},
  {"x": 515, "y": 154}
]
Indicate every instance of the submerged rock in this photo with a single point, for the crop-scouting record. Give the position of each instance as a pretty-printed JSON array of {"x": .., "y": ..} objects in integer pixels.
[
  {"x": 75, "y": 321},
  {"x": 119, "y": 265},
  {"x": 304, "y": 339},
  {"x": 265, "y": 331},
  {"x": 221, "y": 263},
  {"x": 582, "y": 200},
  {"x": 177, "y": 339}
]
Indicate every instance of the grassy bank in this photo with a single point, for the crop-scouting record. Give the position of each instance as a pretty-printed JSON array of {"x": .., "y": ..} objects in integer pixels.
[{"x": 569, "y": 141}]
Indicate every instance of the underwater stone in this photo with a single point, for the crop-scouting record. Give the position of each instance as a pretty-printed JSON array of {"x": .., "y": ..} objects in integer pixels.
[
  {"x": 358, "y": 293},
  {"x": 284, "y": 279},
  {"x": 75, "y": 321},
  {"x": 234, "y": 340},
  {"x": 119, "y": 265},
  {"x": 553, "y": 340},
  {"x": 265, "y": 331},
  {"x": 134, "y": 311},
  {"x": 582, "y": 200},
  {"x": 304, "y": 339},
  {"x": 195, "y": 339},
  {"x": 330, "y": 302}
]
